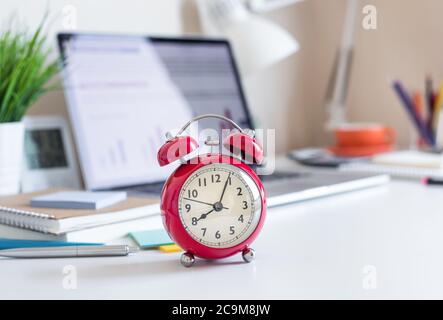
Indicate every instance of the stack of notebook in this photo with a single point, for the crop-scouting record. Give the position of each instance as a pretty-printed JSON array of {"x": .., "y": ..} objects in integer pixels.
[
  {"x": 402, "y": 164},
  {"x": 21, "y": 220}
]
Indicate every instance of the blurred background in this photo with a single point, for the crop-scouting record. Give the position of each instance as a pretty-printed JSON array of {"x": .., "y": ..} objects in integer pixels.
[{"x": 290, "y": 95}]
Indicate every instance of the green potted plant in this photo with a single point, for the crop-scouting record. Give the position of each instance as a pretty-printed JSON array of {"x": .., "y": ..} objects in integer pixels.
[{"x": 24, "y": 75}]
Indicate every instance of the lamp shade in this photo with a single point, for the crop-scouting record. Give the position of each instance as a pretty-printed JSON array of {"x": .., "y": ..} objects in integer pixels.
[{"x": 259, "y": 43}]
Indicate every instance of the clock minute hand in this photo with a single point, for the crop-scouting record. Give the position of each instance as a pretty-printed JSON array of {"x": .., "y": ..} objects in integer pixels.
[
  {"x": 198, "y": 201},
  {"x": 224, "y": 188}
]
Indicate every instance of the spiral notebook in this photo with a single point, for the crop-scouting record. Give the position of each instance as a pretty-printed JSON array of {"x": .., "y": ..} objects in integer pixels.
[{"x": 16, "y": 211}]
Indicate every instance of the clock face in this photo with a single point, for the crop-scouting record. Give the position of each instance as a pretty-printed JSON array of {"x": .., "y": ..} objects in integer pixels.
[{"x": 220, "y": 205}]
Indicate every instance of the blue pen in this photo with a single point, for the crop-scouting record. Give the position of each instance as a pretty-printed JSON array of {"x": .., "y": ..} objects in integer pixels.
[
  {"x": 419, "y": 124},
  {"x": 15, "y": 243}
]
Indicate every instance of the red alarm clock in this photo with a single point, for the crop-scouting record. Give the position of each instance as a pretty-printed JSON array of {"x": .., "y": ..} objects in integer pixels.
[{"x": 213, "y": 205}]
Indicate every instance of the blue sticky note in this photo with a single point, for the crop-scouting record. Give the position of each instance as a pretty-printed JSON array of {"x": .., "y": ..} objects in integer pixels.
[{"x": 151, "y": 238}]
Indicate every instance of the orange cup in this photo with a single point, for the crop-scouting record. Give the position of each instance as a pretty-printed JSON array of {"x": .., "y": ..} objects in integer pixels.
[
  {"x": 364, "y": 135},
  {"x": 362, "y": 140}
]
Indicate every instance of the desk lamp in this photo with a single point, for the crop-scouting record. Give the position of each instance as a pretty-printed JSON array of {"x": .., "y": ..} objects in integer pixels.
[{"x": 257, "y": 42}]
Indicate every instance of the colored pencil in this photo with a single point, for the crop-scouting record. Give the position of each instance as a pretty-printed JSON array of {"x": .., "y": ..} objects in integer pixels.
[
  {"x": 417, "y": 99},
  {"x": 429, "y": 95},
  {"x": 437, "y": 107},
  {"x": 430, "y": 102},
  {"x": 418, "y": 104}
]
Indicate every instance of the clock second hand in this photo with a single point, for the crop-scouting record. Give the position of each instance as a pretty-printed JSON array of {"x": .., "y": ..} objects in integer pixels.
[{"x": 198, "y": 201}]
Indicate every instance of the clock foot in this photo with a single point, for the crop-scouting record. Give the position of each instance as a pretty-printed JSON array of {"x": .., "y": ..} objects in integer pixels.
[
  {"x": 187, "y": 259},
  {"x": 248, "y": 255}
]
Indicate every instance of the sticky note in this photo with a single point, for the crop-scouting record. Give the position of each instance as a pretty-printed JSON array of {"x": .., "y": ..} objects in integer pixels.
[
  {"x": 151, "y": 238},
  {"x": 170, "y": 248}
]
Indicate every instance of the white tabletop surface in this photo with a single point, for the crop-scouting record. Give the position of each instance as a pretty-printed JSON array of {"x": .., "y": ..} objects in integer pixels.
[{"x": 384, "y": 242}]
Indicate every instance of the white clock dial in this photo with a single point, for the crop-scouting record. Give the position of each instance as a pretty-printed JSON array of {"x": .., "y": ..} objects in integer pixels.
[{"x": 220, "y": 205}]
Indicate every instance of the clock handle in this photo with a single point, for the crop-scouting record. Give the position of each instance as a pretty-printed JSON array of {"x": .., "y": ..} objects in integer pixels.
[
  {"x": 242, "y": 143},
  {"x": 205, "y": 116}
]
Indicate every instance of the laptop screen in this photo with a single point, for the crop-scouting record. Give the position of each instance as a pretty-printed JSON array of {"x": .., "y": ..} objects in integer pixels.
[{"x": 125, "y": 92}]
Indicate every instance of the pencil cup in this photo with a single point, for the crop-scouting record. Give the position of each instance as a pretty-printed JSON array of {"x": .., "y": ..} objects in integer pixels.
[{"x": 417, "y": 143}]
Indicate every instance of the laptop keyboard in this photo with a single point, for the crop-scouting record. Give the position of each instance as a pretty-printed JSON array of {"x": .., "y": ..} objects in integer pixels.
[{"x": 155, "y": 188}]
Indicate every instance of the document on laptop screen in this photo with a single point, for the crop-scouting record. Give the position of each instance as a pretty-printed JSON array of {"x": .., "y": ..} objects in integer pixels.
[
  {"x": 121, "y": 102},
  {"x": 205, "y": 75}
]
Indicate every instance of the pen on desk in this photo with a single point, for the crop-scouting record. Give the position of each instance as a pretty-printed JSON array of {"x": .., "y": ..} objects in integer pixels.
[
  {"x": 432, "y": 181},
  {"x": 69, "y": 252}
]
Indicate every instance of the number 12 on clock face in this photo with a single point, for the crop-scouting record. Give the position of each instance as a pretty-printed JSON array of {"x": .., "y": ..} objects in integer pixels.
[{"x": 220, "y": 205}]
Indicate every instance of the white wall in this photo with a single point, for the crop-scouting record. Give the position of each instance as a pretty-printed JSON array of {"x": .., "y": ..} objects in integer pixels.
[
  {"x": 139, "y": 16},
  {"x": 128, "y": 16}
]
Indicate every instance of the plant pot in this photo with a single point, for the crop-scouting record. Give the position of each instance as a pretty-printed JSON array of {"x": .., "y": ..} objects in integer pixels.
[{"x": 11, "y": 156}]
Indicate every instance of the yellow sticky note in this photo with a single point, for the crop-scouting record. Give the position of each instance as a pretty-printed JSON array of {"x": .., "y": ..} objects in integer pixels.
[{"x": 170, "y": 248}]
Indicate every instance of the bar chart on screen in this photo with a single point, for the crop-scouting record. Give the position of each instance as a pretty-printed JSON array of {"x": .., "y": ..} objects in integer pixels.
[{"x": 118, "y": 154}]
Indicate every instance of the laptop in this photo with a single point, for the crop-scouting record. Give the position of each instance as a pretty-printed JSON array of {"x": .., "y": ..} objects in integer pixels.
[{"x": 124, "y": 92}]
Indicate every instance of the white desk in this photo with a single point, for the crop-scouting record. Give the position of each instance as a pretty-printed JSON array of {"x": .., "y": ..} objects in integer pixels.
[{"x": 315, "y": 249}]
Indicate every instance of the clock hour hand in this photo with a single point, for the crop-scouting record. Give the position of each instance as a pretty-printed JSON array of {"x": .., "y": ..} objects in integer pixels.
[
  {"x": 204, "y": 215},
  {"x": 198, "y": 201}
]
